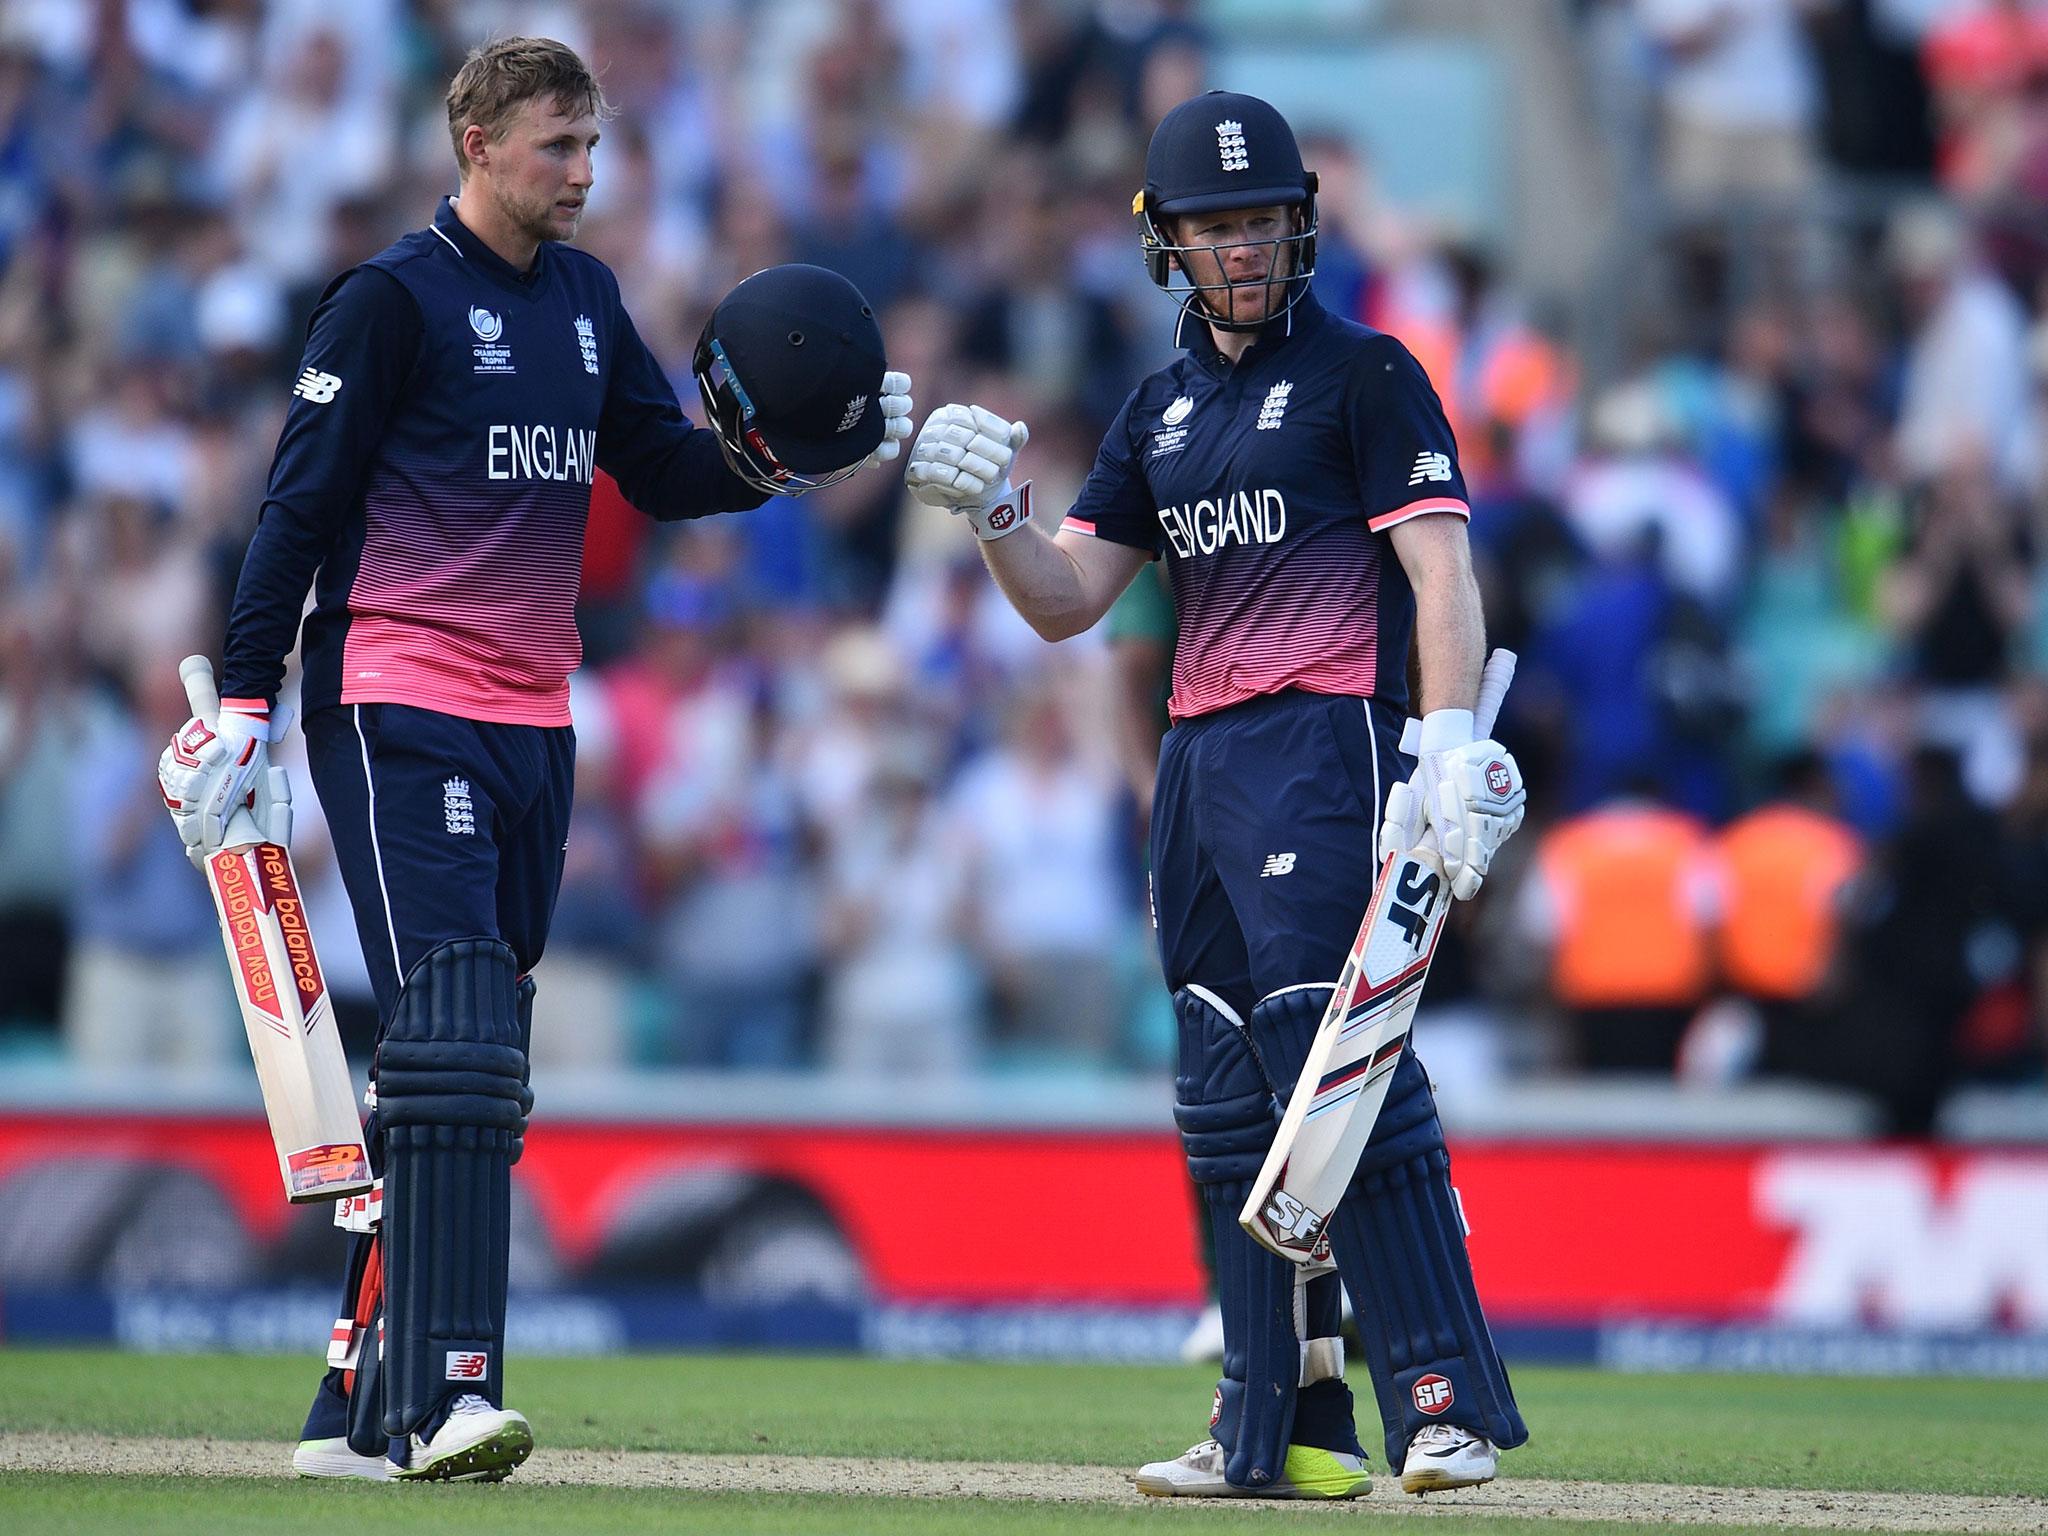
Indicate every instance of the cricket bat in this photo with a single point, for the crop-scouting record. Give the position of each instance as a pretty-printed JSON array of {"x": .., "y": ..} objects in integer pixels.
[
  {"x": 1357, "y": 1046},
  {"x": 307, "y": 1092}
]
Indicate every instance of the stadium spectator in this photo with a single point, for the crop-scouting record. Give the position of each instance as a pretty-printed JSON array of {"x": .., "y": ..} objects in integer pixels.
[
  {"x": 1980, "y": 57},
  {"x": 1740, "y": 100},
  {"x": 1965, "y": 390},
  {"x": 586, "y": 1005},
  {"x": 1913, "y": 938},
  {"x": 904, "y": 998},
  {"x": 40, "y": 710},
  {"x": 1784, "y": 868},
  {"x": 1034, "y": 823},
  {"x": 146, "y": 987},
  {"x": 1625, "y": 899},
  {"x": 294, "y": 147}
]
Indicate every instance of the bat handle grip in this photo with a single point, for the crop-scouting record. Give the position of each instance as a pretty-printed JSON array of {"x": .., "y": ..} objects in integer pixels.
[
  {"x": 196, "y": 673},
  {"x": 1493, "y": 688}
]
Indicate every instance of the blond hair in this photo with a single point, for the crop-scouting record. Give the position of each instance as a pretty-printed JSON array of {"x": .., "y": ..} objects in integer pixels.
[{"x": 499, "y": 76}]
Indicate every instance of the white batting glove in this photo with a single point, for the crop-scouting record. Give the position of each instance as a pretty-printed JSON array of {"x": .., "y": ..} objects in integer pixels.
[
  {"x": 896, "y": 406},
  {"x": 1469, "y": 793},
  {"x": 961, "y": 461},
  {"x": 215, "y": 768}
]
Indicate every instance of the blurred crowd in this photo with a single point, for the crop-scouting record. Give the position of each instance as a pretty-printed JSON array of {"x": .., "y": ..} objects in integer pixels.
[{"x": 1761, "y": 511}]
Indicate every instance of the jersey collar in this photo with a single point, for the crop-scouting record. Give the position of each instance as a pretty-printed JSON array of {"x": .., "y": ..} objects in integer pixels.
[
  {"x": 1305, "y": 316},
  {"x": 487, "y": 261}
]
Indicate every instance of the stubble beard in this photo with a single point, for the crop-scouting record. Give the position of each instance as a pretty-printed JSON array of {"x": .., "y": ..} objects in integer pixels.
[
  {"x": 1253, "y": 295},
  {"x": 536, "y": 221},
  {"x": 1248, "y": 300}
]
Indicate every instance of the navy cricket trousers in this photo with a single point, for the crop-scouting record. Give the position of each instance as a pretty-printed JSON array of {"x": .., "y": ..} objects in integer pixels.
[
  {"x": 1265, "y": 827},
  {"x": 444, "y": 828}
]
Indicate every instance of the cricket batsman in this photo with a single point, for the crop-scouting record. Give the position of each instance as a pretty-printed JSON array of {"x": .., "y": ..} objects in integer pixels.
[
  {"x": 457, "y": 394},
  {"x": 1296, "y": 473}
]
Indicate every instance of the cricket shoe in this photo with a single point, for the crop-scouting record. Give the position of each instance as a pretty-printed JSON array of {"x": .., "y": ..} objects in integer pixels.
[
  {"x": 475, "y": 1444},
  {"x": 1308, "y": 1473},
  {"x": 333, "y": 1458},
  {"x": 1445, "y": 1456}
]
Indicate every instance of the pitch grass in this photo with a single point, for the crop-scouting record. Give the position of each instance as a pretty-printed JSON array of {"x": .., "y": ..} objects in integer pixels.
[{"x": 1856, "y": 1434}]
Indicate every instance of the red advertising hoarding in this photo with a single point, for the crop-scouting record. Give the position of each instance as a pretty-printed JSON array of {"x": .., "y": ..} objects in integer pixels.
[{"x": 1561, "y": 1232}]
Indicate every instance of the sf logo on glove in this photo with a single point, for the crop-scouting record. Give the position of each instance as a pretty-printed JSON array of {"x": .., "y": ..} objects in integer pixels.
[{"x": 1499, "y": 780}]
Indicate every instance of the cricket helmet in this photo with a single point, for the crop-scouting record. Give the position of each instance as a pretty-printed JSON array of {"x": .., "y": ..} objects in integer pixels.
[
  {"x": 1225, "y": 150},
  {"x": 790, "y": 369}
]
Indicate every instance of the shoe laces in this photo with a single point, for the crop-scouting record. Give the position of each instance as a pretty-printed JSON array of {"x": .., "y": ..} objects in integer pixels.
[
  {"x": 469, "y": 1402},
  {"x": 1440, "y": 1434},
  {"x": 1206, "y": 1451}
]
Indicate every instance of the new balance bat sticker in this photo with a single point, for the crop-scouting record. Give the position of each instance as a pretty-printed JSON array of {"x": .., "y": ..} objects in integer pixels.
[
  {"x": 1343, "y": 1083},
  {"x": 307, "y": 1093}
]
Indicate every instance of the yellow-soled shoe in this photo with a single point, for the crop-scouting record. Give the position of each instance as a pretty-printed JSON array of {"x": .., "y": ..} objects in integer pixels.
[
  {"x": 1308, "y": 1473},
  {"x": 1312, "y": 1473}
]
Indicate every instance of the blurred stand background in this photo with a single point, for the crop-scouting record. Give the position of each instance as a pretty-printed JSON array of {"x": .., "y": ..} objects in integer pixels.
[{"x": 1737, "y": 307}]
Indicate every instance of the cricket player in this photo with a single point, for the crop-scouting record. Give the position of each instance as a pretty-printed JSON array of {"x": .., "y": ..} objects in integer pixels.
[
  {"x": 1297, "y": 474},
  {"x": 458, "y": 393}
]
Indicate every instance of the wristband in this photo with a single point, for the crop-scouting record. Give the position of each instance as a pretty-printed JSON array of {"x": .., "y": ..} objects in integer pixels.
[{"x": 1010, "y": 511}]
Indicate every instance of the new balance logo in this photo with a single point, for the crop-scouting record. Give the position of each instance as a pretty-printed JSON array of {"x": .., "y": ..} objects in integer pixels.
[
  {"x": 1274, "y": 407},
  {"x": 1278, "y": 864},
  {"x": 1430, "y": 466},
  {"x": 468, "y": 1364},
  {"x": 1230, "y": 145},
  {"x": 316, "y": 386},
  {"x": 457, "y": 808}
]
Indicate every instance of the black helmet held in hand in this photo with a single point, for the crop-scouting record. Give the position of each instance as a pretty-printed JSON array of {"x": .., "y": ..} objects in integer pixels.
[
  {"x": 790, "y": 368},
  {"x": 1225, "y": 150}
]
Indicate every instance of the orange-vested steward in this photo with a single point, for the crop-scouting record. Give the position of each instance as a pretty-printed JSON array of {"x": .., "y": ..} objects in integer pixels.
[
  {"x": 1783, "y": 868},
  {"x": 1631, "y": 932}
]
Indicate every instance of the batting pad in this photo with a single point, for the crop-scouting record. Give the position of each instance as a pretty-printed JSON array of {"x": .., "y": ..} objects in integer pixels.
[
  {"x": 451, "y": 1098},
  {"x": 1224, "y": 1108},
  {"x": 523, "y": 1002},
  {"x": 1399, "y": 1240}
]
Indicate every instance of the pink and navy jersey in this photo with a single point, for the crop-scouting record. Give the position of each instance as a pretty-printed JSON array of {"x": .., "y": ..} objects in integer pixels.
[
  {"x": 1269, "y": 488},
  {"x": 433, "y": 479}
]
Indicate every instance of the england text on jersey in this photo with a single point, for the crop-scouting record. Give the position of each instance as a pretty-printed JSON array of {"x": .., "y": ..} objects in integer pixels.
[
  {"x": 535, "y": 451},
  {"x": 1270, "y": 486},
  {"x": 440, "y": 492},
  {"x": 1229, "y": 517}
]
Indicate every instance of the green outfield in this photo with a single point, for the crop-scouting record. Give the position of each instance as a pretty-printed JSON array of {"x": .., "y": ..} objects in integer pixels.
[{"x": 775, "y": 1421}]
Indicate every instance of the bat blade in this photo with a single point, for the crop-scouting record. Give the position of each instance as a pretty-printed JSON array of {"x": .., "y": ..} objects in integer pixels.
[
  {"x": 1356, "y": 1048},
  {"x": 1343, "y": 1083},
  {"x": 308, "y": 1095}
]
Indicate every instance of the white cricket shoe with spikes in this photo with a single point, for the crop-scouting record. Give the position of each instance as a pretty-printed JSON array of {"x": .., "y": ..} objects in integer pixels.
[
  {"x": 1443, "y": 1456},
  {"x": 477, "y": 1444}
]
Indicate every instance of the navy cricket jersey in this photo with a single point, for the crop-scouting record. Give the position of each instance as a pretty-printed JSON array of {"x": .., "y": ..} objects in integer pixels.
[
  {"x": 435, "y": 470},
  {"x": 1269, "y": 487}
]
